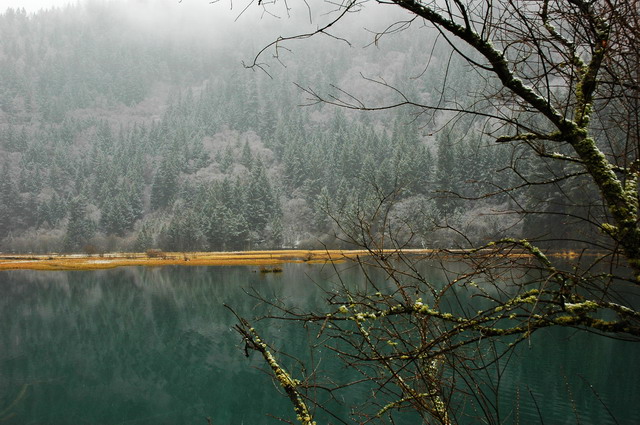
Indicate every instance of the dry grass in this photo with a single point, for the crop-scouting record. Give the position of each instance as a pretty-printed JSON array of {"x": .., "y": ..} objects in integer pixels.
[{"x": 268, "y": 260}]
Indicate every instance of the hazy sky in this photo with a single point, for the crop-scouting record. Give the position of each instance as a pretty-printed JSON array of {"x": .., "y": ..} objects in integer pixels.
[
  {"x": 145, "y": 6},
  {"x": 221, "y": 22},
  {"x": 35, "y": 5},
  {"x": 32, "y": 5}
]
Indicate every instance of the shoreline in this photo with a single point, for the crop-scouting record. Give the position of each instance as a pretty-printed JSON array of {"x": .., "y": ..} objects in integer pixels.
[{"x": 156, "y": 258}]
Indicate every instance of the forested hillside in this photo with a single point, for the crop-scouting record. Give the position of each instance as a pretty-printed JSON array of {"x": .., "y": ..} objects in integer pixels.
[{"x": 117, "y": 136}]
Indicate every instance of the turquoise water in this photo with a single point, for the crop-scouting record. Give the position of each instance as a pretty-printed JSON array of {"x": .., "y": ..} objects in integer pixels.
[{"x": 156, "y": 346}]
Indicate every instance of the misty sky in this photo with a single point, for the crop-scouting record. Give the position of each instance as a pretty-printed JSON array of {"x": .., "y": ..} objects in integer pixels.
[
  {"x": 220, "y": 17},
  {"x": 151, "y": 10},
  {"x": 32, "y": 5}
]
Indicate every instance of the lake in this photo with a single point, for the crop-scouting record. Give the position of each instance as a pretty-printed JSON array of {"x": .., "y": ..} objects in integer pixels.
[{"x": 156, "y": 346}]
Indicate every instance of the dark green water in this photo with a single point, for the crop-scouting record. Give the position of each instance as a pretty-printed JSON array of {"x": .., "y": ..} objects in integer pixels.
[{"x": 155, "y": 346}]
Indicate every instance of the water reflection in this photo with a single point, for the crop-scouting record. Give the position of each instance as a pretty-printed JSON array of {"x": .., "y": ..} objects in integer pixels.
[
  {"x": 154, "y": 346},
  {"x": 575, "y": 378}
]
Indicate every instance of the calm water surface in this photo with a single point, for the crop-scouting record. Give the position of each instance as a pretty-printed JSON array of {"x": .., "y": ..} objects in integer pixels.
[{"x": 155, "y": 346}]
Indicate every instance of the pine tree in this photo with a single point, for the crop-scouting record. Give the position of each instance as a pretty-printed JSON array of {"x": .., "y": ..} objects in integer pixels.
[
  {"x": 117, "y": 216},
  {"x": 144, "y": 239},
  {"x": 446, "y": 177},
  {"x": 246, "y": 157},
  {"x": 80, "y": 227},
  {"x": 104, "y": 136},
  {"x": 260, "y": 201},
  {"x": 165, "y": 184},
  {"x": 9, "y": 202}
]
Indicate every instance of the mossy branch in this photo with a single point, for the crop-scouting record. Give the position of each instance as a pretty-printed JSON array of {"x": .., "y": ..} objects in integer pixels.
[
  {"x": 412, "y": 398},
  {"x": 522, "y": 243},
  {"x": 572, "y": 128},
  {"x": 289, "y": 384},
  {"x": 431, "y": 401},
  {"x": 575, "y": 314}
]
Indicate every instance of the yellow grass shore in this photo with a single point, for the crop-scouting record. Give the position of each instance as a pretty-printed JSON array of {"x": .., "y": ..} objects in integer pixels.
[{"x": 156, "y": 258}]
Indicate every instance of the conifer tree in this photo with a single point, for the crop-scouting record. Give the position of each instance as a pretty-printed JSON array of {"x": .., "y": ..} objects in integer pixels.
[
  {"x": 9, "y": 199},
  {"x": 144, "y": 239},
  {"x": 80, "y": 228},
  {"x": 164, "y": 188},
  {"x": 446, "y": 174}
]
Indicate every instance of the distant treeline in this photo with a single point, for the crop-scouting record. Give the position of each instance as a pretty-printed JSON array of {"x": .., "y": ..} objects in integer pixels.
[{"x": 111, "y": 141}]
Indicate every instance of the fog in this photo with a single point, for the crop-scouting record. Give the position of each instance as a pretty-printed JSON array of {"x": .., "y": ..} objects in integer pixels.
[
  {"x": 32, "y": 6},
  {"x": 227, "y": 19}
]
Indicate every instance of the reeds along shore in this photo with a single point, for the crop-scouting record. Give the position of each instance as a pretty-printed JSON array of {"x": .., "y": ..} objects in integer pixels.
[
  {"x": 161, "y": 258},
  {"x": 264, "y": 259}
]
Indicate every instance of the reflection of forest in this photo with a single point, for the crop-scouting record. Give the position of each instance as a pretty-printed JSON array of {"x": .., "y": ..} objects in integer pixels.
[
  {"x": 141, "y": 345},
  {"x": 105, "y": 347}
]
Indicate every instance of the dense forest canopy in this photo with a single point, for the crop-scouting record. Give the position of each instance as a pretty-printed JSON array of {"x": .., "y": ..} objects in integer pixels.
[{"x": 121, "y": 133}]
